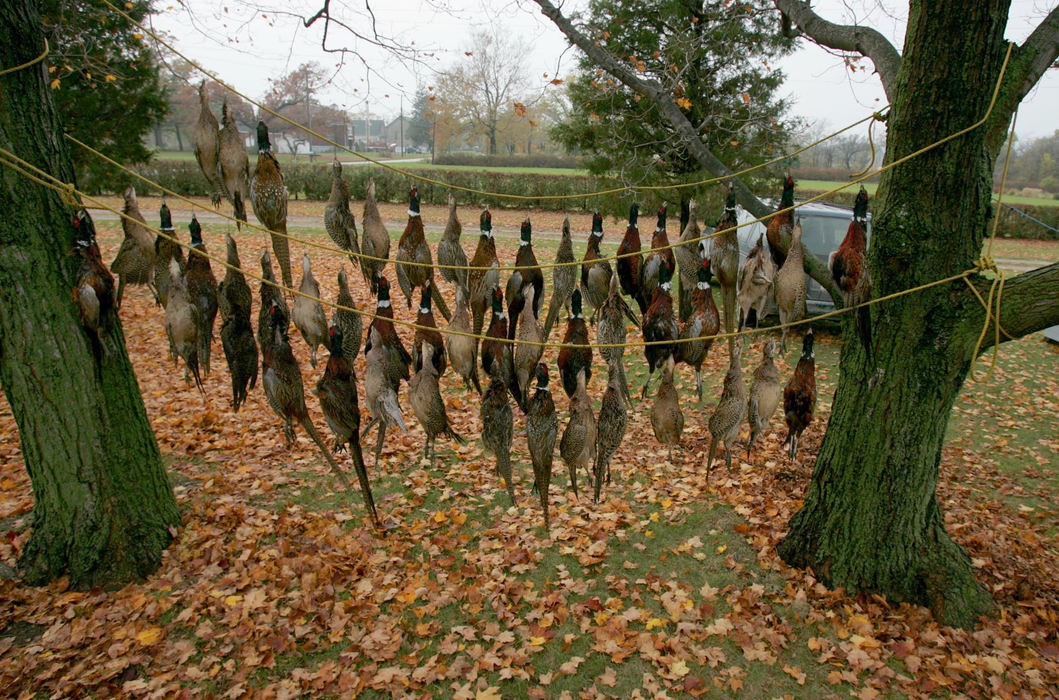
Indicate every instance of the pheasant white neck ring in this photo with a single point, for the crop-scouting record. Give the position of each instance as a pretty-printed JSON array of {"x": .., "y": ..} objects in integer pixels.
[{"x": 383, "y": 304}]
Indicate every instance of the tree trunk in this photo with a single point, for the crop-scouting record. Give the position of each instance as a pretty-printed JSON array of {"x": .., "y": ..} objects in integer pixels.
[
  {"x": 871, "y": 521},
  {"x": 179, "y": 140},
  {"x": 103, "y": 504}
]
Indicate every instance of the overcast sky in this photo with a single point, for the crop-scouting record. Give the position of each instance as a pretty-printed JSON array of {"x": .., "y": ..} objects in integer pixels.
[{"x": 246, "y": 42}]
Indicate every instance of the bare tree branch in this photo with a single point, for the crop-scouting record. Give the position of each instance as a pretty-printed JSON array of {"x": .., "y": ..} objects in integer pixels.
[
  {"x": 863, "y": 40},
  {"x": 1030, "y": 303},
  {"x": 685, "y": 131}
]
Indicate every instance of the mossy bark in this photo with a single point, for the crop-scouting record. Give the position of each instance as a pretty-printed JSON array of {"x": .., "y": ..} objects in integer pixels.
[
  {"x": 103, "y": 504},
  {"x": 871, "y": 520}
]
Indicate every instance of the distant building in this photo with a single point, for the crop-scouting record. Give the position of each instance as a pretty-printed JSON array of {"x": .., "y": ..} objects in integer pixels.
[
  {"x": 397, "y": 134},
  {"x": 369, "y": 134}
]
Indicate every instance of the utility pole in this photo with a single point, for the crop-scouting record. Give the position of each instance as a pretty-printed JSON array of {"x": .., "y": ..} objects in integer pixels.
[{"x": 433, "y": 137}]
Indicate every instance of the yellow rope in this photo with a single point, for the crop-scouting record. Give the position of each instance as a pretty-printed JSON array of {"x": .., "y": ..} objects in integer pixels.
[
  {"x": 996, "y": 289},
  {"x": 470, "y": 190},
  {"x": 871, "y": 143},
  {"x": 54, "y": 183},
  {"x": 29, "y": 63}
]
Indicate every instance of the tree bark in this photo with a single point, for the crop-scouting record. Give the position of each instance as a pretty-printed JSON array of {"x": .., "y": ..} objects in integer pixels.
[
  {"x": 103, "y": 504},
  {"x": 871, "y": 521}
]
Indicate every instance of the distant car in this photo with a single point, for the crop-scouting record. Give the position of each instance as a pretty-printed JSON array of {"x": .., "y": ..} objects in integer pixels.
[{"x": 823, "y": 228}]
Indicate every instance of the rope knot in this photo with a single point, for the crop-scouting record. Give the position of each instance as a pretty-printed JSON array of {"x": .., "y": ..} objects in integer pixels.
[
  {"x": 68, "y": 193},
  {"x": 984, "y": 263}
]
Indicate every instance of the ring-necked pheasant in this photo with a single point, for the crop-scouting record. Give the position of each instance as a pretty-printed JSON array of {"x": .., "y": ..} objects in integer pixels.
[
  {"x": 755, "y": 282},
  {"x": 498, "y": 357},
  {"x": 482, "y": 282},
  {"x": 268, "y": 195},
  {"x": 414, "y": 262},
  {"x": 347, "y": 318},
  {"x": 659, "y": 326},
  {"x": 702, "y": 325},
  {"x": 269, "y": 293},
  {"x": 282, "y": 380},
  {"x": 564, "y": 278},
  {"x": 799, "y": 396},
  {"x": 667, "y": 420},
  {"x": 578, "y": 444},
  {"x": 528, "y": 351},
  {"x": 337, "y": 391},
  {"x": 542, "y": 429},
  {"x": 202, "y": 291},
  {"x": 461, "y": 348},
  {"x": 610, "y": 427},
  {"x": 379, "y": 392},
  {"x": 689, "y": 257},
  {"x": 428, "y": 333},
  {"x": 134, "y": 263},
  {"x": 520, "y": 279},
  {"x": 611, "y": 331},
  {"x": 575, "y": 360},
  {"x": 730, "y": 411},
  {"x": 724, "y": 262},
  {"x": 181, "y": 326},
  {"x": 207, "y": 146},
  {"x": 780, "y": 226},
  {"x": 630, "y": 268},
  {"x": 339, "y": 221},
  {"x": 764, "y": 394},
  {"x": 791, "y": 284},
  {"x": 375, "y": 241},
  {"x": 497, "y": 427},
  {"x": 659, "y": 256},
  {"x": 427, "y": 404},
  {"x": 595, "y": 272},
  {"x": 165, "y": 249},
  {"x": 234, "y": 164},
  {"x": 450, "y": 252},
  {"x": 237, "y": 337},
  {"x": 94, "y": 290},
  {"x": 849, "y": 269},
  {"x": 308, "y": 313}
]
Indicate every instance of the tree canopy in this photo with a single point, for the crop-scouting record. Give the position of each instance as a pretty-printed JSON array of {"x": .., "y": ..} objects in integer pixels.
[
  {"x": 717, "y": 61},
  {"x": 105, "y": 81}
]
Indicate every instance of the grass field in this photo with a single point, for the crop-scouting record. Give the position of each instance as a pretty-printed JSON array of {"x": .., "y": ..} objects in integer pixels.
[{"x": 828, "y": 185}]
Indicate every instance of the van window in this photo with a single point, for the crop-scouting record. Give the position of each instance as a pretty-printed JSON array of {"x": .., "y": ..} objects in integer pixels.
[{"x": 823, "y": 234}]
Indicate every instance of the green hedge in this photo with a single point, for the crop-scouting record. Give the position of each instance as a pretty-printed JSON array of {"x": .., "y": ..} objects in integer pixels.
[
  {"x": 533, "y": 160},
  {"x": 313, "y": 181}
]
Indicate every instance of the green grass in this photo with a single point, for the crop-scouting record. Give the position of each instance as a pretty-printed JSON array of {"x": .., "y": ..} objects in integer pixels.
[{"x": 828, "y": 185}]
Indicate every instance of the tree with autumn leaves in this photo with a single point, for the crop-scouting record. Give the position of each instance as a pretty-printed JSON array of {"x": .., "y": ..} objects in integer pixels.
[{"x": 105, "y": 82}]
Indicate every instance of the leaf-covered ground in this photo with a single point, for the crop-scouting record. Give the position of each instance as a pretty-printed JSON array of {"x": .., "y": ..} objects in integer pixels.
[{"x": 276, "y": 586}]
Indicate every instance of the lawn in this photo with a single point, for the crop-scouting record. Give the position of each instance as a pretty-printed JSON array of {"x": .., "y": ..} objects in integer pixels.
[
  {"x": 275, "y": 585},
  {"x": 815, "y": 186}
]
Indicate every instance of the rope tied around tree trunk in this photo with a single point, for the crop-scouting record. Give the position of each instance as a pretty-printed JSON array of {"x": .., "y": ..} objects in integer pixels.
[
  {"x": 987, "y": 264},
  {"x": 30, "y": 63}
]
